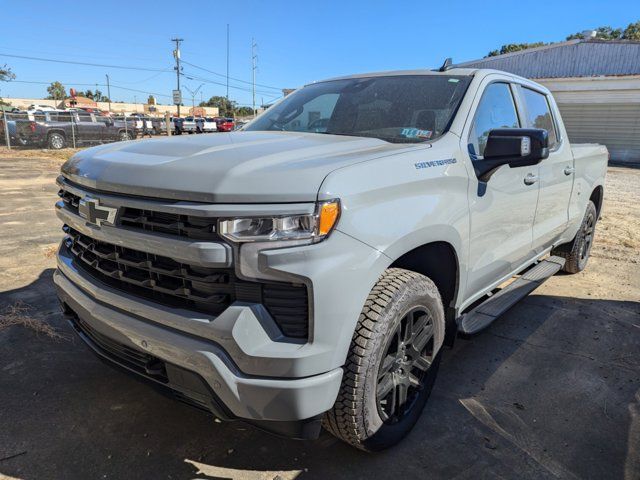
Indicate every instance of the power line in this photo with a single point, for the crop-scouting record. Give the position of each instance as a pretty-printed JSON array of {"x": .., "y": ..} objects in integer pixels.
[
  {"x": 230, "y": 78},
  {"x": 70, "y": 62},
  {"x": 191, "y": 76}
]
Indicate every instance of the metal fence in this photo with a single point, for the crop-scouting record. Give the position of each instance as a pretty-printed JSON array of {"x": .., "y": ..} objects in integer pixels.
[{"x": 57, "y": 129}]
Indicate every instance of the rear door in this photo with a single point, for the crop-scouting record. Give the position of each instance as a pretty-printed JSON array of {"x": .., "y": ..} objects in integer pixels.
[
  {"x": 88, "y": 130},
  {"x": 502, "y": 210},
  {"x": 556, "y": 172}
]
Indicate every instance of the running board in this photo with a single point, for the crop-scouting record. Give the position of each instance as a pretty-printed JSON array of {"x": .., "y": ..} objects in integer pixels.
[{"x": 481, "y": 316}]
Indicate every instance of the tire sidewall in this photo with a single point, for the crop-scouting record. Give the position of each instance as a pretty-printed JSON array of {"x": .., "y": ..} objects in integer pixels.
[
  {"x": 52, "y": 136},
  {"x": 591, "y": 212},
  {"x": 412, "y": 295}
]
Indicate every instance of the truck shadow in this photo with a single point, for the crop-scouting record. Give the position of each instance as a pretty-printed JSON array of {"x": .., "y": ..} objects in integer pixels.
[{"x": 549, "y": 390}]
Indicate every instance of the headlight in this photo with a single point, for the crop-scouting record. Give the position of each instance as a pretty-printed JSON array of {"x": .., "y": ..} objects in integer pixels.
[{"x": 314, "y": 227}]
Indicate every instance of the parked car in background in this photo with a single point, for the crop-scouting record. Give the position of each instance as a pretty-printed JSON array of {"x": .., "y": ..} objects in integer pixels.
[
  {"x": 177, "y": 125},
  {"x": 225, "y": 124},
  {"x": 189, "y": 125},
  {"x": 159, "y": 125},
  {"x": 11, "y": 128},
  {"x": 210, "y": 125},
  {"x": 41, "y": 108},
  {"x": 138, "y": 120},
  {"x": 60, "y": 129}
]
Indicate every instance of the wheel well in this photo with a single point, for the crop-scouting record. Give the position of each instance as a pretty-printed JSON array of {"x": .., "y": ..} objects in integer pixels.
[
  {"x": 59, "y": 132},
  {"x": 439, "y": 262},
  {"x": 596, "y": 198}
]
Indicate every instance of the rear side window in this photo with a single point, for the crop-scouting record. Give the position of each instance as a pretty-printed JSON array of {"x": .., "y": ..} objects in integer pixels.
[
  {"x": 539, "y": 113},
  {"x": 495, "y": 110}
]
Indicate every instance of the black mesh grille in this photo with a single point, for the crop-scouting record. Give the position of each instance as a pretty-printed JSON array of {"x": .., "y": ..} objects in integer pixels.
[
  {"x": 70, "y": 200},
  {"x": 188, "y": 226},
  {"x": 209, "y": 290}
]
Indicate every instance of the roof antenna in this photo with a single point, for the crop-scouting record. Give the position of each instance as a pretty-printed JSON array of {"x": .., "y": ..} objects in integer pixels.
[{"x": 448, "y": 63}]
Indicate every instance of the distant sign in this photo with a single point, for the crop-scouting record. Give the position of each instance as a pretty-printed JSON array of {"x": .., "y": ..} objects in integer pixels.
[{"x": 177, "y": 97}]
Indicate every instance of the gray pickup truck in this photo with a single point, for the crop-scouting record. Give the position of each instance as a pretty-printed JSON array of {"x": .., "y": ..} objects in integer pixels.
[
  {"x": 308, "y": 269},
  {"x": 60, "y": 129}
]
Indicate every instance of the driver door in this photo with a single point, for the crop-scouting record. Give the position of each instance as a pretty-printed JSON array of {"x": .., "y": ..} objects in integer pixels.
[{"x": 502, "y": 210}]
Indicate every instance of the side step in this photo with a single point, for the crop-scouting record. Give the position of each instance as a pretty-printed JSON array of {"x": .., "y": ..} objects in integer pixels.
[{"x": 481, "y": 316}]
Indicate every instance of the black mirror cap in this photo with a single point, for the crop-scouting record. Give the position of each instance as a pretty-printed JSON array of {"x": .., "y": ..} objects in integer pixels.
[{"x": 516, "y": 147}]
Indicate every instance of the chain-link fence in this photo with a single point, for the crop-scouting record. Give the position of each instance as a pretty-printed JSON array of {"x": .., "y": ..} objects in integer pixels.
[{"x": 77, "y": 128}]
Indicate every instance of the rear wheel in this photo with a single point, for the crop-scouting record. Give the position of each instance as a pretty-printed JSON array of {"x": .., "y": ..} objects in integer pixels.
[
  {"x": 392, "y": 363},
  {"x": 577, "y": 251},
  {"x": 56, "y": 141}
]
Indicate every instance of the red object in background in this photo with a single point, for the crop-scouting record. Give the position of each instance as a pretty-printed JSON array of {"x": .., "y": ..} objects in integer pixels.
[
  {"x": 225, "y": 124},
  {"x": 72, "y": 92}
]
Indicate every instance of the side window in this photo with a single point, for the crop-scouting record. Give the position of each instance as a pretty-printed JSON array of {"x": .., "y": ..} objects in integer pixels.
[
  {"x": 84, "y": 117},
  {"x": 495, "y": 110},
  {"x": 539, "y": 113}
]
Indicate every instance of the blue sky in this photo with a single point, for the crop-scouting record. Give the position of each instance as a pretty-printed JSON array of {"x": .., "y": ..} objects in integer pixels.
[{"x": 298, "y": 41}]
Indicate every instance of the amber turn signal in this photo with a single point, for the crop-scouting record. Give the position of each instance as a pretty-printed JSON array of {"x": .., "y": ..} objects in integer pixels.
[{"x": 329, "y": 213}]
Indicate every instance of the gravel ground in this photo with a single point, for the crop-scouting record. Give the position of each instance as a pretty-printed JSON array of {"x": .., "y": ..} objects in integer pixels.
[{"x": 550, "y": 390}]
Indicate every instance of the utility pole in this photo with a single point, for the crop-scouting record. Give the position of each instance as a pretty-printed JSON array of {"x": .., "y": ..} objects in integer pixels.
[
  {"x": 254, "y": 66},
  {"x": 176, "y": 54},
  {"x": 109, "y": 92},
  {"x": 227, "y": 63}
]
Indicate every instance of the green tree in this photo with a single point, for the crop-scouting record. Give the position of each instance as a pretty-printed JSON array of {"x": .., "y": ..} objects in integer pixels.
[
  {"x": 6, "y": 74},
  {"x": 514, "y": 47},
  {"x": 602, "y": 33},
  {"x": 225, "y": 107},
  {"x": 56, "y": 91},
  {"x": 244, "y": 111},
  {"x": 632, "y": 32},
  {"x": 151, "y": 100},
  {"x": 96, "y": 96}
]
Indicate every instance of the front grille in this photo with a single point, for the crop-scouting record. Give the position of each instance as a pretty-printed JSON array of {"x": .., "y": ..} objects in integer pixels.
[
  {"x": 199, "y": 228},
  {"x": 70, "y": 200},
  {"x": 208, "y": 290},
  {"x": 187, "y": 226}
]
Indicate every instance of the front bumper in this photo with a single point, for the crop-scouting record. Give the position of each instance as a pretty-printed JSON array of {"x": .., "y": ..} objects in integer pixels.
[{"x": 232, "y": 393}]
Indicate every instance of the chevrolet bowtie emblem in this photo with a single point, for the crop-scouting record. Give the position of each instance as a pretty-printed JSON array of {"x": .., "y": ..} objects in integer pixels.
[{"x": 91, "y": 210}]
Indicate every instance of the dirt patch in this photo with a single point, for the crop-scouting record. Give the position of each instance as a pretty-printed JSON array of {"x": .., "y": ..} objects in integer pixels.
[
  {"x": 50, "y": 250},
  {"x": 55, "y": 158},
  {"x": 22, "y": 314},
  {"x": 618, "y": 232}
]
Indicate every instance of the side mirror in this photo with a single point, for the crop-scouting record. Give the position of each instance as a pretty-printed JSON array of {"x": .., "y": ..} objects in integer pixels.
[{"x": 516, "y": 147}]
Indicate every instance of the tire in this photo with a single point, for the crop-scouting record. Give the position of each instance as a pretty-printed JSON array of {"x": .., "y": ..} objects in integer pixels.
[
  {"x": 124, "y": 136},
  {"x": 56, "y": 141},
  {"x": 364, "y": 415},
  {"x": 577, "y": 251}
]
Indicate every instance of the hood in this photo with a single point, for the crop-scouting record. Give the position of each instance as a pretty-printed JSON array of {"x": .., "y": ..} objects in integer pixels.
[{"x": 236, "y": 167}]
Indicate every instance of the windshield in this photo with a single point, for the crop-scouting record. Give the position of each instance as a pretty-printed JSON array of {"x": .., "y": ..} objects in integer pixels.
[{"x": 399, "y": 109}]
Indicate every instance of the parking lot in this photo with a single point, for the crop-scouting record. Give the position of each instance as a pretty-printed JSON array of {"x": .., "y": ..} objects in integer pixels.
[{"x": 551, "y": 390}]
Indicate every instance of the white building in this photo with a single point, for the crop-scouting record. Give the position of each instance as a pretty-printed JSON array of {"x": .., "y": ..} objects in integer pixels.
[{"x": 596, "y": 84}]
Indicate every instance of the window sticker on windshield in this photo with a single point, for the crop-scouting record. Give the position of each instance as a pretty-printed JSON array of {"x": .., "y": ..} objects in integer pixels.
[{"x": 416, "y": 133}]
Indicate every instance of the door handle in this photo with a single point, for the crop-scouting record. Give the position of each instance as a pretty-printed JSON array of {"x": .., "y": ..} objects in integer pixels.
[
  {"x": 530, "y": 179},
  {"x": 569, "y": 170}
]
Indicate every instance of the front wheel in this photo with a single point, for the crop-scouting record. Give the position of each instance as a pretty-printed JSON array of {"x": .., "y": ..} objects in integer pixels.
[
  {"x": 125, "y": 136},
  {"x": 56, "y": 141},
  {"x": 392, "y": 362},
  {"x": 578, "y": 250}
]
